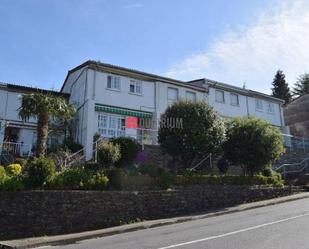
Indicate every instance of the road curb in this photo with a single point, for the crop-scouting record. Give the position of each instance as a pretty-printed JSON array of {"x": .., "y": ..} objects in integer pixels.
[{"x": 70, "y": 238}]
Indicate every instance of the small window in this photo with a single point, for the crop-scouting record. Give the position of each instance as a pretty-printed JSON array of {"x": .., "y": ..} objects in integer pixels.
[
  {"x": 271, "y": 107},
  {"x": 234, "y": 99},
  {"x": 135, "y": 86},
  {"x": 113, "y": 82},
  {"x": 259, "y": 104},
  {"x": 219, "y": 96},
  {"x": 190, "y": 96},
  {"x": 172, "y": 94}
]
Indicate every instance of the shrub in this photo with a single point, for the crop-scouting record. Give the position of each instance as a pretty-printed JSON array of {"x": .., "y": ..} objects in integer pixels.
[
  {"x": 200, "y": 131},
  {"x": 150, "y": 170},
  {"x": 2, "y": 174},
  {"x": 13, "y": 183},
  {"x": 40, "y": 171},
  {"x": 69, "y": 144},
  {"x": 223, "y": 165},
  {"x": 253, "y": 144},
  {"x": 165, "y": 180},
  {"x": 116, "y": 178},
  {"x": 128, "y": 150},
  {"x": 13, "y": 169},
  {"x": 79, "y": 179},
  {"x": 108, "y": 153},
  {"x": 275, "y": 180}
]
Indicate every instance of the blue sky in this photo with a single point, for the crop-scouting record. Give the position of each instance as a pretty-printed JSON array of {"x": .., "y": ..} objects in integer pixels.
[{"x": 231, "y": 41}]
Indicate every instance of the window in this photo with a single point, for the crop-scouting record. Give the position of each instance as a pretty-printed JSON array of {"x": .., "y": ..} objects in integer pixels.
[
  {"x": 234, "y": 99},
  {"x": 135, "y": 86},
  {"x": 190, "y": 96},
  {"x": 111, "y": 125},
  {"x": 219, "y": 96},
  {"x": 259, "y": 104},
  {"x": 113, "y": 82},
  {"x": 271, "y": 107},
  {"x": 172, "y": 94}
]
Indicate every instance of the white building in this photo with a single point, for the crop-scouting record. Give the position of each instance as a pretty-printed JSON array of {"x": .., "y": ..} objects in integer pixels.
[
  {"x": 105, "y": 95},
  {"x": 17, "y": 136}
]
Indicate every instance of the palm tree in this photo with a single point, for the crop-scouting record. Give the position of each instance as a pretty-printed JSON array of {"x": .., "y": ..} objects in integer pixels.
[{"x": 43, "y": 106}]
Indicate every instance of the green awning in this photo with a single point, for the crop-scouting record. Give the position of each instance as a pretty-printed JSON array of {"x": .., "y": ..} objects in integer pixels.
[{"x": 122, "y": 111}]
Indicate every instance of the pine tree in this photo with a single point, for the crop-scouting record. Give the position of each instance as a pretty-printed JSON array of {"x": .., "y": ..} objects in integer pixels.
[
  {"x": 281, "y": 88},
  {"x": 302, "y": 85}
]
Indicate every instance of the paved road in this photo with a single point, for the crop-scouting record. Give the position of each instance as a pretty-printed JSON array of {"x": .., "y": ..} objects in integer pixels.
[{"x": 284, "y": 226}]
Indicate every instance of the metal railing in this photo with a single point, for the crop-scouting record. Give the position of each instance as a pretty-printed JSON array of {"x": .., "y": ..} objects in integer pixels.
[
  {"x": 16, "y": 149},
  {"x": 296, "y": 144},
  {"x": 301, "y": 167}
]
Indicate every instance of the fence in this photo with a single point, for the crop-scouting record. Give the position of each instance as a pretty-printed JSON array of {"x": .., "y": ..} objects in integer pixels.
[
  {"x": 16, "y": 149},
  {"x": 296, "y": 144}
]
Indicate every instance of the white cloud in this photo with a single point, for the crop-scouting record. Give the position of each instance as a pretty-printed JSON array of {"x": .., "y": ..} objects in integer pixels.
[
  {"x": 278, "y": 39},
  {"x": 133, "y": 6}
]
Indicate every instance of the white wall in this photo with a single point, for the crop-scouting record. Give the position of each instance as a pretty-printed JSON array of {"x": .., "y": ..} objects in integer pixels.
[{"x": 244, "y": 109}]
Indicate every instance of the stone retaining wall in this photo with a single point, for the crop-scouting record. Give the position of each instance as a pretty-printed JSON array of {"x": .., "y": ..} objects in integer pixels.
[{"x": 37, "y": 213}]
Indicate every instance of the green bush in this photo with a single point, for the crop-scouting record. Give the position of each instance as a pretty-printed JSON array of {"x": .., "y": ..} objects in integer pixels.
[
  {"x": 188, "y": 180},
  {"x": 108, "y": 153},
  {"x": 13, "y": 183},
  {"x": 69, "y": 144},
  {"x": 3, "y": 175},
  {"x": 200, "y": 131},
  {"x": 13, "y": 169},
  {"x": 128, "y": 150},
  {"x": 150, "y": 170},
  {"x": 252, "y": 144},
  {"x": 40, "y": 171},
  {"x": 165, "y": 180},
  {"x": 115, "y": 177},
  {"x": 79, "y": 179}
]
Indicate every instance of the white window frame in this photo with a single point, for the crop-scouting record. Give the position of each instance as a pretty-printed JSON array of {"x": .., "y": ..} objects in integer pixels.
[
  {"x": 111, "y": 125},
  {"x": 216, "y": 96},
  {"x": 259, "y": 105},
  {"x": 237, "y": 99},
  {"x": 271, "y": 107},
  {"x": 113, "y": 82},
  {"x": 137, "y": 84},
  {"x": 192, "y": 94},
  {"x": 168, "y": 96}
]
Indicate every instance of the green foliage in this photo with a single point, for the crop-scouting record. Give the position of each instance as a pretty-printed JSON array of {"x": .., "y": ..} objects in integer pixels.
[
  {"x": 253, "y": 144},
  {"x": 79, "y": 179},
  {"x": 2, "y": 174},
  {"x": 223, "y": 165},
  {"x": 116, "y": 178},
  {"x": 13, "y": 183},
  {"x": 165, "y": 180},
  {"x": 108, "y": 153},
  {"x": 13, "y": 169},
  {"x": 40, "y": 171},
  {"x": 72, "y": 146},
  {"x": 151, "y": 170},
  {"x": 302, "y": 85},
  {"x": 280, "y": 88},
  {"x": 128, "y": 150},
  {"x": 187, "y": 180},
  {"x": 200, "y": 131}
]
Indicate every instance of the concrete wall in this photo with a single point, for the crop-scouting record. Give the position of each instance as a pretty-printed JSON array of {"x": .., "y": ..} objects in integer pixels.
[{"x": 38, "y": 213}]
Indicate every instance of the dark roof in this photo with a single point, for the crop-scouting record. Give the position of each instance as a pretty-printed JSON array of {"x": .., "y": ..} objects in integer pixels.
[
  {"x": 97, "y": 65},
  {"x": 28, "y": 89}
]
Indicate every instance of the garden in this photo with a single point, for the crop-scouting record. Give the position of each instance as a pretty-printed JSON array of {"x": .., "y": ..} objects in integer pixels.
[{"x": 248, "y": 143}]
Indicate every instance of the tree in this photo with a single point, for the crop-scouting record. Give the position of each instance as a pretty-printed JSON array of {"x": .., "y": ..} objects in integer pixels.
[
  {"x": 43, "y": 107},
  {"x": 302, "y": 85},
  {"x": 252, "y": 144},
  {"x": 280, "y": 88},
  {"x": 200, "y": 131}
]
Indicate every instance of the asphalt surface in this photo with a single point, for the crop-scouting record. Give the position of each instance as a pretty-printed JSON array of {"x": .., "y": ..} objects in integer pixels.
[{"x": 284, "y": 226}]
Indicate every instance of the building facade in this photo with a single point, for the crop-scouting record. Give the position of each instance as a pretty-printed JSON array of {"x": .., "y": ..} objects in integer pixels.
[
  {"x": 105, "y": 97},
  {"x": 16, "y": 135}
]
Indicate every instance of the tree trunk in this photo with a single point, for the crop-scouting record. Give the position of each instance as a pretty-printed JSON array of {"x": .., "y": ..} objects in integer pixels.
[{"x": 42, "y": 134}]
